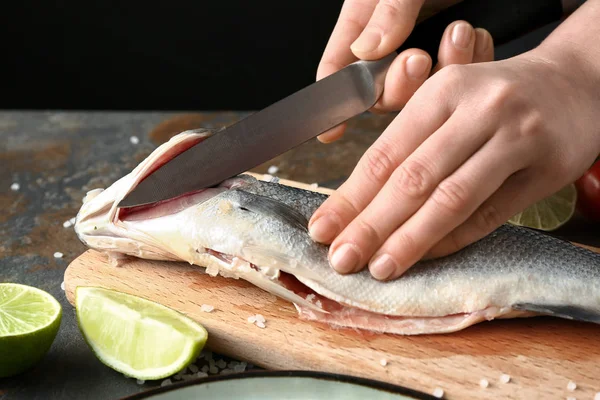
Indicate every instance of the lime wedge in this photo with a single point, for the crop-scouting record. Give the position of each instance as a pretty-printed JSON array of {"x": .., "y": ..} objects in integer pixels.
[
  {"x": 137, "y": 337},
  {"x": 550, "y": 213},
  {"x": 29, "y": 321}
]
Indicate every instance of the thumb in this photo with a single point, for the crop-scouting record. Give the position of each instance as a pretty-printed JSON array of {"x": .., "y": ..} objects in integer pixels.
[{"x": 389, "y": 26}]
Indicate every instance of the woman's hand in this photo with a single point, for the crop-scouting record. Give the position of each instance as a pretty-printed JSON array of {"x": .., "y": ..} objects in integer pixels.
[
  {"x": 372, "y": 29},
  {"x": 474, "y": 145}
]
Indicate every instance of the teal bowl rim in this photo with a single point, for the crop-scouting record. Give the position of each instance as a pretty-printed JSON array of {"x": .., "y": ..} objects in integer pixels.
[{"x": 366, "y": 382}]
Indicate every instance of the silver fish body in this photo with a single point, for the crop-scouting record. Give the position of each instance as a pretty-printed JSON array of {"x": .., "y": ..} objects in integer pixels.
[{"x": 257, "y": 231}]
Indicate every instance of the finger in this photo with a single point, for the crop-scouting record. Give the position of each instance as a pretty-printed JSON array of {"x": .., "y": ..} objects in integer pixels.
[
  {"x": 333, "y": 134},
  {"x": 408, "y": 188},
  {"x": 417, "y": 120},
  {"x": 450, "y": 204},
  {"x": 354, "y": 16},
  {"x": 484, "y": 46},
  {"x": 518, "y": 192},
  {"x": 456, "y": 46},
  {"x": 406, "y": 74},
  {"x": 389, "y": 26}
]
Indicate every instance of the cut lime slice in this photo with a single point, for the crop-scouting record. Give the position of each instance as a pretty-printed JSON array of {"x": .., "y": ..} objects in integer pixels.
[
  {"x": 137, "y": 337},
  {"x": 29, "y": 321},
  {"x": 550, "y": 213}
]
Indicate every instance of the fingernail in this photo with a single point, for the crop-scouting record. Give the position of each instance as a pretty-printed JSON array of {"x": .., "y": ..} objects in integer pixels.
[
  {"x": 383, "y": 267},
  {"x": 324, "y": 229},
  {"x": 461, "y": 35},
  {"x": 482, "y": 42},
  {"x": 416, "y": 66},
  {"x": 345, "y": 259},
  {"x": 368, "y": 41}
]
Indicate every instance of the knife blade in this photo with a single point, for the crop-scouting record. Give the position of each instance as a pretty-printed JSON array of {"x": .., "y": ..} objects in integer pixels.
[{"x": 267, "y": 133}]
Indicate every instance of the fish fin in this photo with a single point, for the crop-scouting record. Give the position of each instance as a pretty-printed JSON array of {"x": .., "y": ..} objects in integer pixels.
[
  {"x": 273, "y": 208},
  {"x": 561, "y": 311}
]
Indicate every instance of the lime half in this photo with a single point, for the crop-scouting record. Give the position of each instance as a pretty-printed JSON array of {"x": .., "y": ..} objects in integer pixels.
[
  {"x": 29, "y": 321},
  {"x": 550, "y": 213},
  {"x": 137, "y": 337}
]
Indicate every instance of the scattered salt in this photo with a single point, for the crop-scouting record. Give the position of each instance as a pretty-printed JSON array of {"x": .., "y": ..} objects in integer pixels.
[
  {"x": 67, "y": 224},
  {"x": 504, "y": 378},
  {"x": 239, "y": 368},
  {"x": 62, "y": 285},
  {"x": 310, "y": 297},
  {"x": 134, "y": 140},
  {"x": 207, "y": 308},
  {"x": 15, "y": 186},
  {"x": 273, "y": 169},
  {"x": 58, "y": 254},
  {"x": 193, "y": 368},
  {"x": 140, "y": 381},
  {"x": 166, "y": 382},
  {"x": 204, "y": 369},
  {"x": 252, "y": 319},
  {"x": 232, "y": 364},
  {"x": 260, "y": 325},
  {"x": 438, "y": 392},
  {"x": 314, "y": 185},
  {"x": 571, "y": 386},
  {"x": 260, "y": 318},
  {"x": 221, "y": 364},
  {"x": 484, "y": 383},
  {"x": 187, "y": 377},
  {"x": 226, "y": 371},
  {"x": 201, "y": 374},
  {"x": 178, "y": 375},
  {"x": 383, "y": 362},
  {"x": 213, "y": 369}
]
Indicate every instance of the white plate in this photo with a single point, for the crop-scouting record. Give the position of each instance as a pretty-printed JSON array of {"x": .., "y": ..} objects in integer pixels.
[{"x": 281, "y": 385}]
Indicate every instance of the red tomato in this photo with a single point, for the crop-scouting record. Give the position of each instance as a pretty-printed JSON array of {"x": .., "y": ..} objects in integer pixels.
[{"x": 588, "y": 193}]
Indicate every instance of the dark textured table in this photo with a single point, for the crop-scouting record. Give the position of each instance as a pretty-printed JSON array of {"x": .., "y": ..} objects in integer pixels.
[{"x": 56, "y": 157}]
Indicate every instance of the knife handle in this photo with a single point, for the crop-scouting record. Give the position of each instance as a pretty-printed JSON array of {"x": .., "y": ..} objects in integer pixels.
[{"x": 505, "y": 20}]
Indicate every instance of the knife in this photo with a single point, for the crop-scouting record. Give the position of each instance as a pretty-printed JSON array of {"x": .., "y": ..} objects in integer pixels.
[{"x": 328, "y": 102}]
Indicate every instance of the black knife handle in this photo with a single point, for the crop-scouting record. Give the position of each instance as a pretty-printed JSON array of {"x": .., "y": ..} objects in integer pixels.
[{"x": 506, "y": 20}]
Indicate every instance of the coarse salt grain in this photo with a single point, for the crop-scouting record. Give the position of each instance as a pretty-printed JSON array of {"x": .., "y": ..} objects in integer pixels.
[
  {"x": 221, "y": 364},
  {"x": 260, "y": 318},
  {"x": 58, "y": 254},
  {"x": 187, "y": 377},
  {"x": 597, "y": 396},
  {"x": 314, "y": 185},
  {"x": 383, "y": 362},
  {"x": 62, "y": 285},
  {"x": 273, "y": 169},
  {"x": 67, "y": 224},
  {"x": 260, "y": 324},
  {"x": 239, "y": 368},
  {"x": 140, "y": 381},
  {"x": 438, "y": 392},
  {"x": 204, "y": 369},
  {"x": 201, "y": 374},
  {"x": 193, "y": 368},
  {"x": 504, "y": 378},
  {"x": 15, "y": 186},
  {"x": 166, "y": 382},
  {"x": 207, "y": 308},
  {"x": 484, "y": 383},
  {"x": 134, "y": 140},
  {"x": 213, "y": 369},
  {"x": 571, "y": 386},
  {"x": 571, "y": 398},
  {"x": 252, "y": 319}
]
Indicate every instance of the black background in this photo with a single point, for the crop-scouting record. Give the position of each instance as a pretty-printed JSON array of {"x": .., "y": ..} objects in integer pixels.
[{"x": 183, "y": 55}]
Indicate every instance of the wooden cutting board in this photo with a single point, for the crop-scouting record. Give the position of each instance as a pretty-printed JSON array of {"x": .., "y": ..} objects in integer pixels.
[{"x": 541, "y": 355}]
